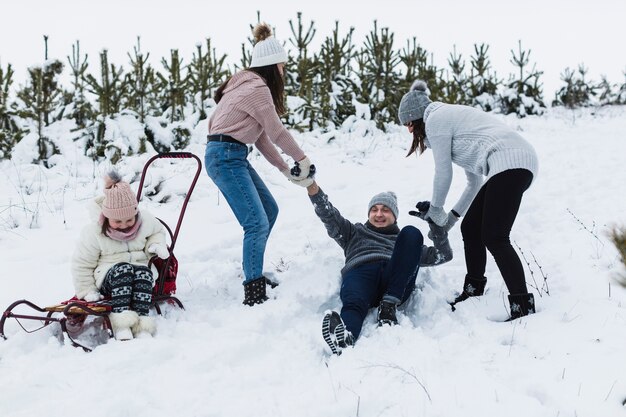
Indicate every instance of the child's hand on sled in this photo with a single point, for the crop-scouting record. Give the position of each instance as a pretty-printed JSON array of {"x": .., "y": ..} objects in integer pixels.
[
  {"x": 159, "y": 250},
  {"x": 93, "y": 297}
]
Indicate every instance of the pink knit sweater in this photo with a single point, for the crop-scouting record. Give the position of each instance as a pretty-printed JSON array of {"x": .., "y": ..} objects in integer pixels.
[{"x": 247, "y": 113}]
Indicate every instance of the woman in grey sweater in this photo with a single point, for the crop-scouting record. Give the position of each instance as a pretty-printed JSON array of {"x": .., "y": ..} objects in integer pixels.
[{"x": 499, "y": 164}]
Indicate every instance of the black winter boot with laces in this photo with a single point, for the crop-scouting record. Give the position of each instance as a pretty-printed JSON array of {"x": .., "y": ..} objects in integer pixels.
[
  {"x": 387, "y": 313},
  {"x": 472, "y": 287},
  {"x": 254, "y": 292}
]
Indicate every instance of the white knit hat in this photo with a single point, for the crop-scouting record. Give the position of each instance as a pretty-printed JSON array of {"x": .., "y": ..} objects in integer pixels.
[
  {"x": 267, "y": 50},
  {"x": 120, "y": 203}
]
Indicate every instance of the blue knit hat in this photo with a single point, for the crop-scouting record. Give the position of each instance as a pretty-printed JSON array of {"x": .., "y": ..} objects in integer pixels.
[
  {"x": 414, "y": 103},
  {"x": 387, "y": 198}
]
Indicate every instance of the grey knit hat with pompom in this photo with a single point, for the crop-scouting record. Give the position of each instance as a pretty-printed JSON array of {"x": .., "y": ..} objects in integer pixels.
[{"x": 414, "y": 103}]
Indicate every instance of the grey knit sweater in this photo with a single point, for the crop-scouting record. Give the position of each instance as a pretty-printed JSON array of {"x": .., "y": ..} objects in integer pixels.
[
  {"x": 476, "y": 141},
  {"x": 361, "y": 244}
]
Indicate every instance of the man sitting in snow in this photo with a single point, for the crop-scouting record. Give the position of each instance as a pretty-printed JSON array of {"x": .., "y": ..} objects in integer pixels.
[{"x": 382, "y": 262}]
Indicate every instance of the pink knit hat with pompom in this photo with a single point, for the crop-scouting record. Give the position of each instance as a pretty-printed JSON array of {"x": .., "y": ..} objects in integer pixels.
[{"x": 120, "y": 202}]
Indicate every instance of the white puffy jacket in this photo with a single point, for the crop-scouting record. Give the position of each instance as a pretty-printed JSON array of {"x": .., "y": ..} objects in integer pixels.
[{"x": 96, "y": 253}]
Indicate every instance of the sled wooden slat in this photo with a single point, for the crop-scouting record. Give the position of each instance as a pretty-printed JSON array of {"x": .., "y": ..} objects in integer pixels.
[{"x": 59, "y": 308}]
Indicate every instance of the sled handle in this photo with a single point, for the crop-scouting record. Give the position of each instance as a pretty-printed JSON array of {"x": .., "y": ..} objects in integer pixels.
[{"x": 174, "y": 155}]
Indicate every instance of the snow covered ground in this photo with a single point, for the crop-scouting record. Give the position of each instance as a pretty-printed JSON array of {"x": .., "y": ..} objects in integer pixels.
[{"x": 220, "y": 358}]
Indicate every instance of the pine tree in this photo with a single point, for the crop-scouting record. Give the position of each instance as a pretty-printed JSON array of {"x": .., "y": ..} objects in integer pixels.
[
  {"x": 523, "y": 95},
  {"x": 482, "y": 83},
  {"x": 10, "y": 133},
  {"x": 81, "y": 109},
  {"x": 205, "y": 72},
  {"x": 141, "y": 92},
  {"x": 606, "y": 92},
  {"x": 457, "y": 89},
  {"x": 301, "y": 72},
  {"x": 417, "y": 66},
  {"x": 414, "y": 57},
  {"x": 175, "y": 84},
  {"x": 433, "y": 76},
  {"x": 378, "y": 72},
  {"x": 335, "y": 89},
  {"x": 41, "y": 102},
  {"x": 109, "y": 92},
  {"x": 577, "y": 91},
  {"x": 110, "y": 89}
]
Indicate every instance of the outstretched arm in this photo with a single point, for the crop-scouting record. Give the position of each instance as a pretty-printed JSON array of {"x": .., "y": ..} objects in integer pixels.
[{"x": 338, "y": 228}]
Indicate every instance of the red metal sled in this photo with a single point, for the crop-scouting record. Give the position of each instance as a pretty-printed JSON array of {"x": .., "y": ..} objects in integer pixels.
[{"x": 74, "y": 312}]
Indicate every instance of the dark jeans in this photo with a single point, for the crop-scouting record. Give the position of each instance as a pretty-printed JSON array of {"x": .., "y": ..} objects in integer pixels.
[
  {"x": 248, "y": 197},
  {"x": 364, "y": 286},
  {"x": 488, "y": 224},
  {"x": 130, "y": 287}
]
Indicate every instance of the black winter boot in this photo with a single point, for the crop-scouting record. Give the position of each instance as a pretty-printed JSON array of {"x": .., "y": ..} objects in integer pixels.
[
  {"x": 387, "y": 313},
  {"x": 254, "y": 292},
  {"x": 335, "y": 333},
  {"x": 472, "y": 287},
  {"x": 521, "y": 305}
]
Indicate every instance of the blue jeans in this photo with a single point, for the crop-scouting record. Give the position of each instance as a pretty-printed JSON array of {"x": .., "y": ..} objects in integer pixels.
[
  {"x": 248, "y": 197},
  {"x": 364, "y": 286}
]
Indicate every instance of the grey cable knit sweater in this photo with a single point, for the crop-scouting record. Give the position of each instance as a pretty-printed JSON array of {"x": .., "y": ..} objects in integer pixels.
[
  {"x": 476, "y": 141},
  {"x": 361, "y": 244}
]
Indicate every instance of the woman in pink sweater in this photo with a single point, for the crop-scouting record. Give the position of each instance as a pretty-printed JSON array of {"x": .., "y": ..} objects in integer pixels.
[{"x": 248, "y": 108}]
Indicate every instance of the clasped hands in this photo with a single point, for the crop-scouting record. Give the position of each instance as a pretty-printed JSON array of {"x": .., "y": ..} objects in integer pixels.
[{"x": 302, "y": 173}]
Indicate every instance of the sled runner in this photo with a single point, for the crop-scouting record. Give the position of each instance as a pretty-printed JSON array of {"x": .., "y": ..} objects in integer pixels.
[{"x": 72, "y": 314}]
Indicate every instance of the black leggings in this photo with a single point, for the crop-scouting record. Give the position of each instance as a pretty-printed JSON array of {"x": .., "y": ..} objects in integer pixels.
[{"x": 488, "y": 224}]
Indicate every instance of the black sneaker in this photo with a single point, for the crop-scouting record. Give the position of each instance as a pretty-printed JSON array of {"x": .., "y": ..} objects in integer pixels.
[
  {"x": 387, "y": 313},
  {"x": 335, "y": 334}
]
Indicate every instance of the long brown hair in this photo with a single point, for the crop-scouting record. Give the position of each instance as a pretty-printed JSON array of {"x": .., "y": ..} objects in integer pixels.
[
  {"x": 273, "y": 79},
  {"x": 419, "y": 134}
]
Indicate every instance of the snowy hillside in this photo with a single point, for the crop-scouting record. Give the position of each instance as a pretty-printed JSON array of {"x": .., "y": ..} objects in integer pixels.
[{"x": 220, "y": 358}]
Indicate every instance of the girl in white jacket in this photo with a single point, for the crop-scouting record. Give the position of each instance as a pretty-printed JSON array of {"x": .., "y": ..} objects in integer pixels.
[
  {"x": 499, "y": 164},
  {"x": 111, "y": 258}
]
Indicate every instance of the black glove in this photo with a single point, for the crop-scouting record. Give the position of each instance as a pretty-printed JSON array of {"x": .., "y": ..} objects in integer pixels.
[{"x": 423, "y": 207}]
